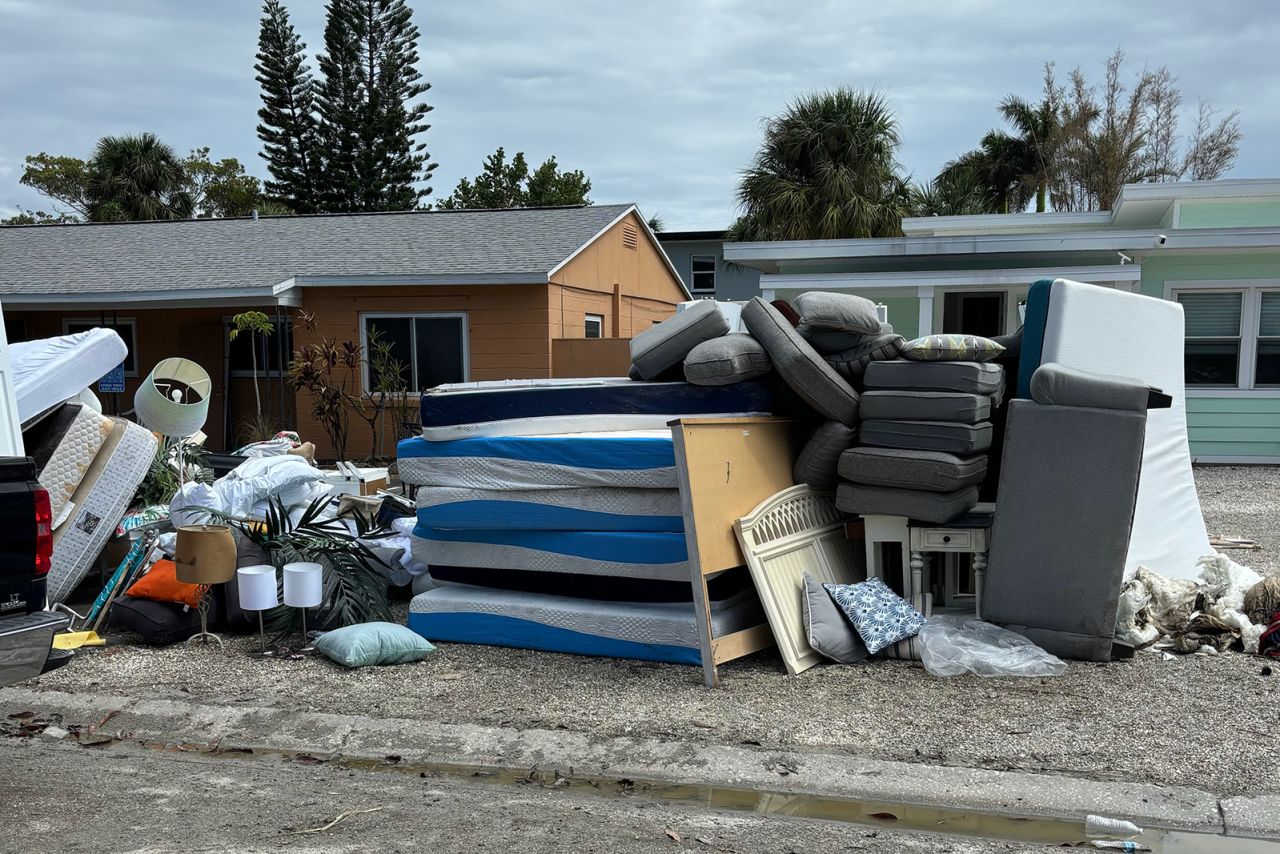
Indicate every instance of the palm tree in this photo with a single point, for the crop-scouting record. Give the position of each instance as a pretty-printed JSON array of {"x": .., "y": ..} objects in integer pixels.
[
  {"x": 998, "y": 165},
  {"x": 137, "y": 178},
  {"x": 826, "y": 170},
  {"x": 951, "y": 194},
  {"x": 1040, "y": 134}
]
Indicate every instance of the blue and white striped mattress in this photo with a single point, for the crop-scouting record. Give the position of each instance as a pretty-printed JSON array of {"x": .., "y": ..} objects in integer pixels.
[
  {"x": 625, "y": 554},
  {"x": 651, "y": 631},
  {"x": 637, "y": 459},
  {"x": 533, "y": 407},
  {"x": 573, "y": 509}
]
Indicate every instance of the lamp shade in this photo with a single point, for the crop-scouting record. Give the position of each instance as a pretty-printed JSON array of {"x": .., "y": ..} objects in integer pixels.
[
  {"x": 303, "y": 583},
  {"x": 257, "y": 587},
  {"x": 174, "y": 398},
  {"x": 205, "y": 554}
]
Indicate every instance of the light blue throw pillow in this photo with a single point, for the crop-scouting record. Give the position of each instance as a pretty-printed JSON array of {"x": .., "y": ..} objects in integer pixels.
[
  {"x": 881, "y": 617},
  {"x": 374, "y": 643}
]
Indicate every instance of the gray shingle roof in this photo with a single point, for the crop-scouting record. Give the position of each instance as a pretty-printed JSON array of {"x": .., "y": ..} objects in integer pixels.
[{"x": 198, "y": 255}]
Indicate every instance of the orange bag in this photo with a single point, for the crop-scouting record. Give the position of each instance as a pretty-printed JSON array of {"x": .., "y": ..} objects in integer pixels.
[{"x": 161, "y": 584}]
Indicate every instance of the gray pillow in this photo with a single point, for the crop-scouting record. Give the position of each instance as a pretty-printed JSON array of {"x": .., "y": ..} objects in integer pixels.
[
  {"x": 799, "y": 365},
  {"x": 932, "y": 471},
  {"x": 893, "y": 405},
  {"x": 1053, "y": 383},
  {"x": 666, "y": 344},
  {"x": 820, "y": 456},
  {"x": 933, "y": 507},
  {"x": 728, "y": 359},
  {"x": 851, "y": 363},
  {"x": 950, "y": 437},
  {"x": 968, "y": 377},
  {"x": 827, "y": 629},
  {"x": 843, "y": 312}
]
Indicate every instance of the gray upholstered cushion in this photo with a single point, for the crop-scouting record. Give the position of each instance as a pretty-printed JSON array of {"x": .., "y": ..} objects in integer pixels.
[
  {"x": 933, "y": 471},
  {"x": 894, "y": 405},
  {"x": 827, "y": 629},
  {"x": 817, "y": 462},
  {"x": 666, "y": 344},
  {"x": 951, "y": 437},
  {"x": 842, "y": 312},
  {"x": 799, "y": 365},
  {"x": 952, "y": 348},
  {"x": 1053, "y": 383},
  {"x": 932, "y": 507},
  {"x": 851, "y": 363},
  {"x": 968, "y": 377},
  {"x": 728, "y": 359}
]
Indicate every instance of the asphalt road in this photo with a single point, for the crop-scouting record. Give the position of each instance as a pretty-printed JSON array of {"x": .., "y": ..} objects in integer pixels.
[{"x": 65, "y": 798}]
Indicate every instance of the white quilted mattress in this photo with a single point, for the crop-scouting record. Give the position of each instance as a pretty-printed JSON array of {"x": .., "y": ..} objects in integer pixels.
[{"x": 65, "y": 449}]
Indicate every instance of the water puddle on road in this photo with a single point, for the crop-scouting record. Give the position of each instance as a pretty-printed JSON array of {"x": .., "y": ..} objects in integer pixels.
[{"x": 889, "y": 816}]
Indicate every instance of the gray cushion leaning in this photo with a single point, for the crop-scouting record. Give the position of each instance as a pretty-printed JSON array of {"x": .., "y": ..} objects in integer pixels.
[
  {"x": 843, "y": 312},
  {"x": 666, "y": 344},
  {"x": 826, "y": 627},
  {"x": 932, "y": 471},
  {"x": 895, "y": 405},
  {"x": 851, "y": 363},
  {"x": 968, "y": 377},
  {"x": 1053, "y": 383},
  {"x": 948, "y": 436},
  {"x": 800, "y": 365},
  {"x": 728, "y": 359},
  {"x": 817, "y": 462},
  {"x": 933, "y": 507}
]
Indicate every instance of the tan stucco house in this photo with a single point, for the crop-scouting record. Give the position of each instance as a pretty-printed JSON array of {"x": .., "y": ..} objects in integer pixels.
[{"x": 461, "y": 295}]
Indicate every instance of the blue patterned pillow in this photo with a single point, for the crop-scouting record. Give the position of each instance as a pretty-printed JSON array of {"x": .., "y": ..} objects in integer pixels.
[{"x": 881, "y": 616}]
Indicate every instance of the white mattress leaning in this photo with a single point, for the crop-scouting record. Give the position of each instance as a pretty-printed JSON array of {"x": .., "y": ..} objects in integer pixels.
[
  {"x": 100, "y": 501},
  {"x": 48, "y": 371},
  {"x": 64, "y": 448}
]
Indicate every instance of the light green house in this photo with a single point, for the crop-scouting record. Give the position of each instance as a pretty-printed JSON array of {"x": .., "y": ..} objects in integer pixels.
[{"x": 1213, "y": 246}]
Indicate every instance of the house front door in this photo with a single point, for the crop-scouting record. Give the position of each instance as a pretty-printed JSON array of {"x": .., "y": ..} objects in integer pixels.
[{"x": 974, "y": 313}]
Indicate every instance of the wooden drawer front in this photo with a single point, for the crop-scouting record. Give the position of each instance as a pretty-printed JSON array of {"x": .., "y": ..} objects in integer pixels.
[{"x": 946, "y": 540}]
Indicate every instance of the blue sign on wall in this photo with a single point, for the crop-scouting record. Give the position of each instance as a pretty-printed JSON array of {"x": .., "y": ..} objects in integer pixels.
[{"x": 112, "y": 383}]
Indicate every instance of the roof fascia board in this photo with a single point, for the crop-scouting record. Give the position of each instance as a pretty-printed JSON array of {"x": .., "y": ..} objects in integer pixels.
[
  {"x": 1230, "y": 188},
  {"x": 242, "y": 296},
  {"x": 950, "y": 278},
  {"x": 920, "y": 226},
  {"x": 408, "y": 280}
]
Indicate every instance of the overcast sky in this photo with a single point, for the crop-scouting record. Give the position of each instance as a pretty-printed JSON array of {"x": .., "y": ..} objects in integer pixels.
[{"x": 660, "y": 103}]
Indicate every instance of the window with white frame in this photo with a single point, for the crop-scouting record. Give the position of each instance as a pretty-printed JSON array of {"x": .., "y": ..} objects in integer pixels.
[
  {"x": 702, "y": 274},
  {"x": 594, "y": 326},
  {"x": 428, "y": 349},
  {"x": 269, "y": 353},
  {"x": 125, "y": 327},
  {"x": 1233, "y": 336}
]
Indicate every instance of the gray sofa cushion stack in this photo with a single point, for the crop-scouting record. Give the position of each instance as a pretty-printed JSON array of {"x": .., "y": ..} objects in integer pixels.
[{"x": 922, "y": 443}]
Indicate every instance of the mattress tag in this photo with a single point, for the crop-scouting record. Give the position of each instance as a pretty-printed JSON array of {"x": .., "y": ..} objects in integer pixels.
[{"x": 88, "y": 522}]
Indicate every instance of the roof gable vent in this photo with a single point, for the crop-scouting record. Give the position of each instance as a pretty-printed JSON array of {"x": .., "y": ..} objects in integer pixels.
[{"x": 630, "y": 236}]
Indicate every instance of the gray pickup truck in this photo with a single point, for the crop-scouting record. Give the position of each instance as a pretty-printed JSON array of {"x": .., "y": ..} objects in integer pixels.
[{"x": 26, "y": 549}]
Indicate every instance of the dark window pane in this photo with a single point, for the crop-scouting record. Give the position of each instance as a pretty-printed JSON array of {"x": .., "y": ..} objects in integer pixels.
[
  {"x": 124, "y": 330},
  {"x": 594, "y": 327},
  {"x": 1269, "y": 322},
  {"x": 439, "y": 342},
  {"x": 1212, "y": 362},
  {"x": 1212, "y": 315},
  {"x": 1268, "y": 369},
  {"x": 268, "y": 350},
  {"x": 15, "y": 329},
  {"x": 396, "y": 332},
  {"x": 704, "y": 272}
]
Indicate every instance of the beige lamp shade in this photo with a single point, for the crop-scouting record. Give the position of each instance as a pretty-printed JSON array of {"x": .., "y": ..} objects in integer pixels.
[
  {"x": 174, "y": 398},
  {"x": 205, "y": 554}
]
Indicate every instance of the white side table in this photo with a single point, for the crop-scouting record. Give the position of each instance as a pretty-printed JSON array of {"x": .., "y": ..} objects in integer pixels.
[{"x": 967, "y": 534}]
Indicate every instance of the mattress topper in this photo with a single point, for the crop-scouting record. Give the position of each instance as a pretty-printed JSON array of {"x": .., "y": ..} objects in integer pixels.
[{"x": 50, "y": 370}]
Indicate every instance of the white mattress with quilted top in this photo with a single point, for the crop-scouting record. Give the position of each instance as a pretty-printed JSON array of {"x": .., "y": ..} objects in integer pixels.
[{"x": 51, "y": 370}]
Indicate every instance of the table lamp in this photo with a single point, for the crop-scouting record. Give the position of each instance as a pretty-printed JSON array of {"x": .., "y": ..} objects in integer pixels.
[
  {"x": 303, "y": 588},
  {"x": 258, "y": 592},
  {"x": 174, "y": 401},
  {"x": 205, "y": 555}
]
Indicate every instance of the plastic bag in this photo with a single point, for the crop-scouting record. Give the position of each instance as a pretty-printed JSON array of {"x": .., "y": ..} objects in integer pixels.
[{"x": 951, "y": 646}]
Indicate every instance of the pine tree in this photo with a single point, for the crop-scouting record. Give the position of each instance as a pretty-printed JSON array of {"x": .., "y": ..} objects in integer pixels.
[
  {"x": 369, "y": 107},
  {"x": 288, "y": 126}
]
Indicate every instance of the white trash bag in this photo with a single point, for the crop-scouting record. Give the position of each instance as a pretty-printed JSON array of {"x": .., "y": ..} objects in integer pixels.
[{"x": 950, "y": 646}]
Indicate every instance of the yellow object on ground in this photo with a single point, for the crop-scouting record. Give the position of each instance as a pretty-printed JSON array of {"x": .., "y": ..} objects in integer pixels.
[{"x": 75, "y": 640}]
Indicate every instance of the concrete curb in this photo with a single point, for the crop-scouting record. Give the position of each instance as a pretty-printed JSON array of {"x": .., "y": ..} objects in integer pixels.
[{"x": 825, "y": 774}]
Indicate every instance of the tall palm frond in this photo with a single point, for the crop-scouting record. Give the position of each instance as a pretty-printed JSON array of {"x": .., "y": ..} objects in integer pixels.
[{"x": 137, "y": 178}]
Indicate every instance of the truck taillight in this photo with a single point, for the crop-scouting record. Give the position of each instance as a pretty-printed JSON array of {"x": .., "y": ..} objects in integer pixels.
[{"x": 44, "y": 531}]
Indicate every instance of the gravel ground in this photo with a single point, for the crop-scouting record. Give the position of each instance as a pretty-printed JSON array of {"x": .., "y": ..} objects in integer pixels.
[{"x": 1195, "y": 721}]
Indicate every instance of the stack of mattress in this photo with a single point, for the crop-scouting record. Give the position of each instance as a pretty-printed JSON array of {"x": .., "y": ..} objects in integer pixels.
[
  {"x": 549, "y": 516},
  {"x": 923, "y": 439}
]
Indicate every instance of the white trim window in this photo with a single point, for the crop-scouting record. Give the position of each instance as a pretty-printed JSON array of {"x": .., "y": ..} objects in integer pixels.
[
  {"x": 273, "y": 352},
  {"x": 1233, "y": 335},
  {"x": 593, "y": 326},
  {"x": 125, "y": 327},
  {"x": 432, "y": 346},
  {"x": 702, "y": 274}
]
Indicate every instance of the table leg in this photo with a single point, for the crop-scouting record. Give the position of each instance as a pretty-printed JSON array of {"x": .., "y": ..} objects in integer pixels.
[
  {"x": 917, "y": 576},
  {"x": 979, "y": 579}
]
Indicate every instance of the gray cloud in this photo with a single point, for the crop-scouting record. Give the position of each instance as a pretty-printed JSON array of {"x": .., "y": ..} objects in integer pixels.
[{"x": 659, "y": 102}]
